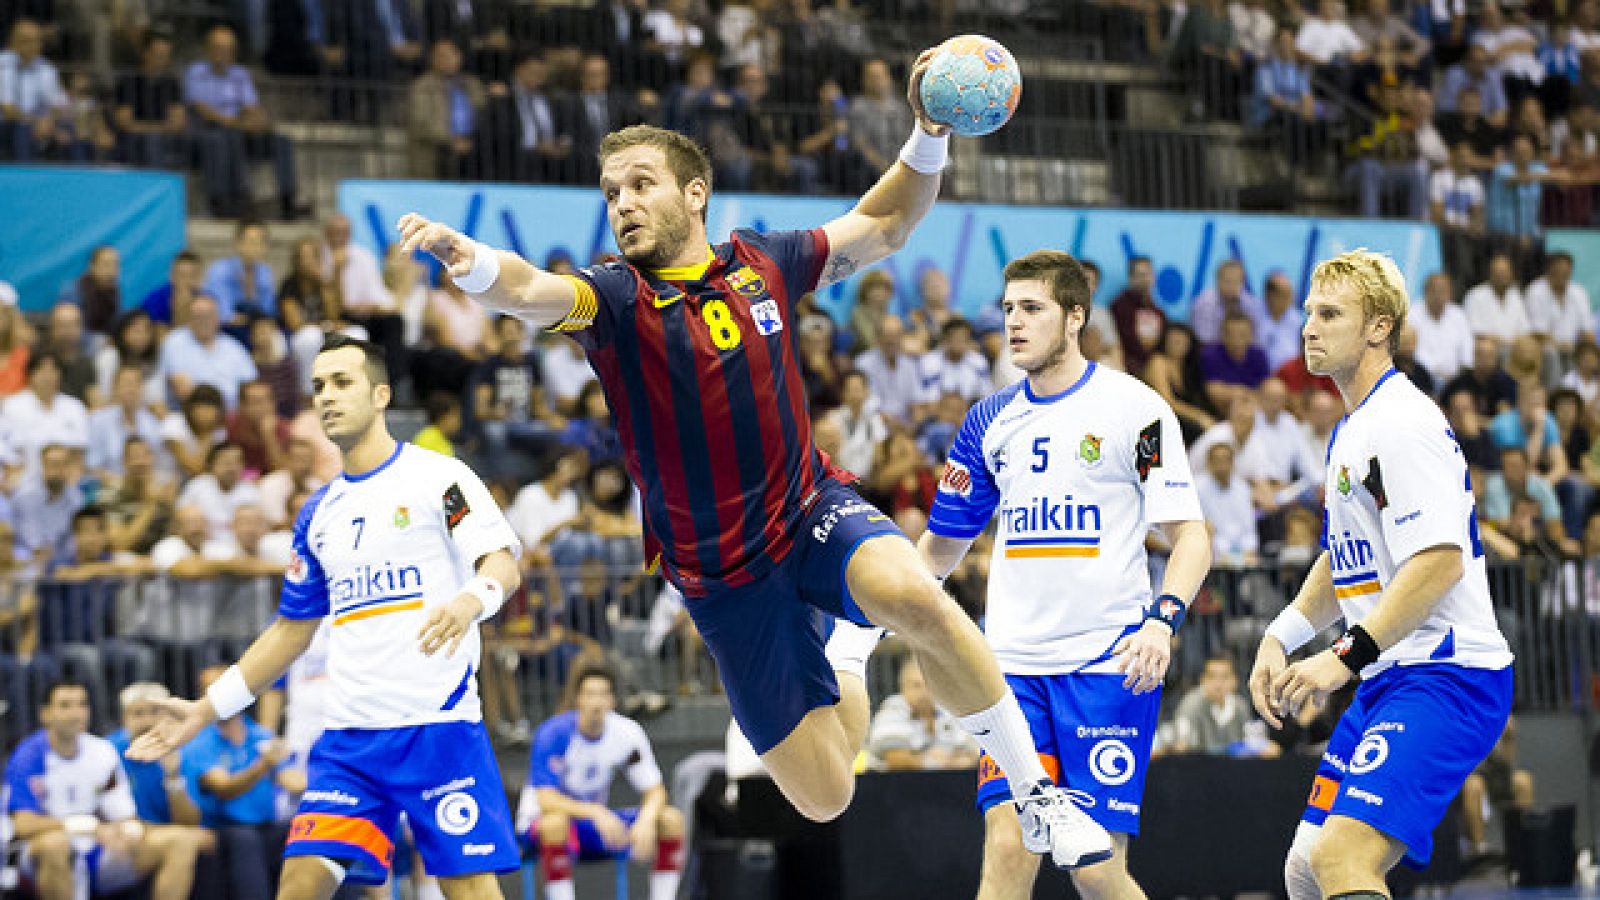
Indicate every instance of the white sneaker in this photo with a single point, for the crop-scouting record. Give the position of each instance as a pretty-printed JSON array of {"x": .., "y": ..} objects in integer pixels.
[{"x": 1052, "y": 824}]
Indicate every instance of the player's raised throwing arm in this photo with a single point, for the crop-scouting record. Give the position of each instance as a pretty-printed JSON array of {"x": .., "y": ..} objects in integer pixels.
[
  {"x": 887, "y": 213},
  {"x": 498, "y": 279},
  {"x": 268, "y": 657}
]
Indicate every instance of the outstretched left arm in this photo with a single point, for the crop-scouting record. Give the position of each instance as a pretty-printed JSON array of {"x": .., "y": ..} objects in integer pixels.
[{"x": 884, "y": 217}]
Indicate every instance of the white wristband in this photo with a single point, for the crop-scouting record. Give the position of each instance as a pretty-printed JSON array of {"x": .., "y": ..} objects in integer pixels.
[
  {"x": 1292, "y": 629},
  {"x": 485, "y": 269},
  {"x": 924, "y": 152},
  {"x": 489, "y": 592},
  {"x": 230, "y": 695}
]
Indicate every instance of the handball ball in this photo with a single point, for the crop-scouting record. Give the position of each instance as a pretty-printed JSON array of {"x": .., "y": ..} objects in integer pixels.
[{"x": 972, "y": 84}]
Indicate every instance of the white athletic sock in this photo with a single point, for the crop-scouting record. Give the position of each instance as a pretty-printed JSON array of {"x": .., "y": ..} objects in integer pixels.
[
  {"x": 559, "y": 890},
  {"x": 850, "y": 645},
  {"x": 1002, "y": 732},
  {"x": 429, "y": 890},
  {"x": 663, "y": 885}
]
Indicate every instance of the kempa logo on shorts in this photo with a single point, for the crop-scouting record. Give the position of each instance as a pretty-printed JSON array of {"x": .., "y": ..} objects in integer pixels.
[
  {"x": 1369, "y": 754},
  {"x": 1355, "y": 793},
  {"x": 1116, "y": 805},
  {"x": 824, "y": 529},
  {"x": 456, "y": 814},
  {"x": 1111, "y": 762},
  {"x": 476, "y": 849}
]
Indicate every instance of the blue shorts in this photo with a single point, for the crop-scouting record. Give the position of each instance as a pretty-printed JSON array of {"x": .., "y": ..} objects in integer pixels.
[
  {"x": 1093, "y": 736},
  {"x": 442, "y": 776},
  {"x": 109, "y": 871},
  {"x": 1401, "y": 752},
  {"x": 767, "y": 636},
  {"x": 586, "y": 843}
]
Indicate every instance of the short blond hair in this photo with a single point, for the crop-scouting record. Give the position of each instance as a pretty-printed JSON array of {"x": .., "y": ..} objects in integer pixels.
[{"x": 1376, "y": 280}]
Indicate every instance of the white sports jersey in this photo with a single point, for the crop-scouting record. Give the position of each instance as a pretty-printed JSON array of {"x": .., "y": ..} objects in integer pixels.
[
  {"x": 1077, "y": 479},
  {"x": 567, "y": 760},
  {"x": 91, "y": 782},
  {"x": 1397, "y": 484},
  {"x": 374, "y": 553}
]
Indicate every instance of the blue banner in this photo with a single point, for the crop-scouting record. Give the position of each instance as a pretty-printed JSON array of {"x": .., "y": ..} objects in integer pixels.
[
  {"x": 971, "y": 242},
  {"x": 55, "y": 216}
]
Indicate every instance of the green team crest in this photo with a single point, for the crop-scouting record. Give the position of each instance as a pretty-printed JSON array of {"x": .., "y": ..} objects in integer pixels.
[
  {"x": 402, "y": 517},
  {"x": 1089, "y": 450},
  {"x": 1343, "y": 484}
]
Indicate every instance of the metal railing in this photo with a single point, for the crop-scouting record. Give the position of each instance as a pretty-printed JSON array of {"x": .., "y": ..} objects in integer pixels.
[{"x": 113, "y": 631}]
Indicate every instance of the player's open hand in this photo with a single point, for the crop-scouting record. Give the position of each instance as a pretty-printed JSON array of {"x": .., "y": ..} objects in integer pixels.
[
  {"x": 1145, "y": 655},
  {"x": 1271, "y": 661},
  {"x": 1309, "y": 681},
  {"x": 180, "y": 721},
  {"x": 914, "y": 94},
  {"x": 450, "y": 247},
  {"x": 447, "y": 625}
]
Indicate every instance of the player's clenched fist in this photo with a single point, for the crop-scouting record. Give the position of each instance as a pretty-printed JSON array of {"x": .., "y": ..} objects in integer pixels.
[{"x": 449, "y": 246}]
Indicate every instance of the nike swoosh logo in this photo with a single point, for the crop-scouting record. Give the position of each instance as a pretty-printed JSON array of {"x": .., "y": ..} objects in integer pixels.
[
  {"x": 664, "y": 302},
  {"x": 983, "y": 733}
]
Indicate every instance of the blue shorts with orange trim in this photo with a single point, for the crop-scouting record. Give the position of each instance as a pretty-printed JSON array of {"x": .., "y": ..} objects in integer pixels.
[
  {"x": 1093, "y": 736},
  {"x": 768, "y": 636},
  {"x": 444, "y": 778},
  {"x": 1401, "y": 752}
]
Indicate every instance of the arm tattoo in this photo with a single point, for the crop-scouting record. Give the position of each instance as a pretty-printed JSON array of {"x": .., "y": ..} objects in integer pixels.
[{"x": 840, "y": 267}]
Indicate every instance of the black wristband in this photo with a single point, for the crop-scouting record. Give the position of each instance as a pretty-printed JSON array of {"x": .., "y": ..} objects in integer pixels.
[
  {"x": 1168, "y": 608},
  {"x": 1356, "y": 649}
]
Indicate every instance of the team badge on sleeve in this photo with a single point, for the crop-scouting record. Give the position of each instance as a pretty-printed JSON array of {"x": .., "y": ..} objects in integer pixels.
[
  {"x": 1374, "y": 484},
  {"x": 957, "y": 479},
  {"x": 1147, "y": 453},
  {"x": 296, "y": 570},
  {"x": 455, "y": 506}
]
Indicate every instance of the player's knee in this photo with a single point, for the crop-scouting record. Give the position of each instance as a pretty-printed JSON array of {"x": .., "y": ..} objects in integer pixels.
[
  {"x": 51, "y": 849},
  {"x": 1327, "y": 860},
  {"x": 669, "y": 823},
  {"x": 1101, "y": 880},
  {"x": 1004, "y": 845},
  {"x": 553, "y": 828},
  {"x": 827, "y": 801},
  {"x": 1522, "y": 789}
]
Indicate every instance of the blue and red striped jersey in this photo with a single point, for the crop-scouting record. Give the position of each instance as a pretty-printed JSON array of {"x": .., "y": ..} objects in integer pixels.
[{"x": 701, "y": 369}]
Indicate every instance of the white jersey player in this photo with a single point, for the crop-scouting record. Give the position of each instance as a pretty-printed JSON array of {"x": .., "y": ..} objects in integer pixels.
[
  {"x": 1403, "y": 566},
  {"x": 402, "y": 555},
  {"x": 1076, "y": 462}
]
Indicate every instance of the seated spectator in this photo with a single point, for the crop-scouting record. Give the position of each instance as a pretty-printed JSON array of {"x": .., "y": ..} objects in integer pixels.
[
  {"x": 1515, "y": 481},
  {"x": 1498, "y": 787},
  {"x": 140, "y": 505},
  {"x": 1457, "y": 200},
  {"x": 591, "y": 429},
  {"x": 1584, "y": 376},
  {"x": 1225, "y": 499},
  {"x": 221, "y": 488},
  {"x": 1215, "y": 719},
  {"x": 242, "y": 284},
  {"x": 134, "y": 344},
  {"x": 926, "y": 320},
  {"x": 860, "y": 423},
  {"x": 1141, "y": 323},
  {"x": 43, "y": 508},
  {"x": 444, "y": 424},
  {"x": 442, "y": 116},
  {"x": 549, "y": 504},
  {"x": 878, "y": 117},
  {"x": 1444, "y": 333},
  {"x": 1277, "y": 329},
  {"x": 308, "y": 302},
  {"x": 938, "y": 432},
  {"x": 16, "y": 345},
  {"x": 1558, "y": 307},
  {"x": 296, "y": 476},
  {"x": 189, "y": 434},
  {"x": 33, "y": 107},
  {"x": 199, "y": 353},
  {"x": 160, "y": 794},
  {"x": 1573, "y": 490},
  {"x": 72, "y": 808},
  {"x": 110, "y": 426},
  {"x": 1405, "y": 361},
  {"x": 73, "y": 351},
  {"x": 1531, "y": 427},
  {"x": 232, "y": 127},
  {"x": 874, "y": 294},
  {"x": 98, "y": 291},
  {"x": 522, "y": 131},
  {"x": 595, "y": 110},
  {"x": 507, "y": 400},
  {"x": 1516, "y": 190},
  {"x": 1476, "y": 71},
  {"x": 152, "y": 124},
  {"x": 1206, "y": 52},
  {"x": 257, "y": 430},
  {"x": 1236, "y": 362},
  {"x": 901, "y": 477},
  {"x": 169, "y": 303},
  {"x": 1255, "y": 29},
  {"x": 1495, "y": 307},
  {"x": 1327, "y": 40},
  {"x": 1227, "y": 296},
  {"x": 456, "y": 337},
  {"x": 1283, "y": 101},
  {"x": 275, "y": 368},
  {"x": 1512, "y": 52},
  {"x": 909, "y": 732},
  {"x": 1322, "y": 413},
  {"x": 1461, "y": 411},
  {"x": 235, "y": 769},
  {"x": 1174, "y": 373},
  {"x": 575, "y": 756},
  {"x": 956, "y": 366},
  {"x": 42, "y": 414},
  {"x": 1467, "y": 123},
  {"x": 894, "y": 378},
  {"x": 1379, "y": 22},
  {"x": 1388, "y": 159}
]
